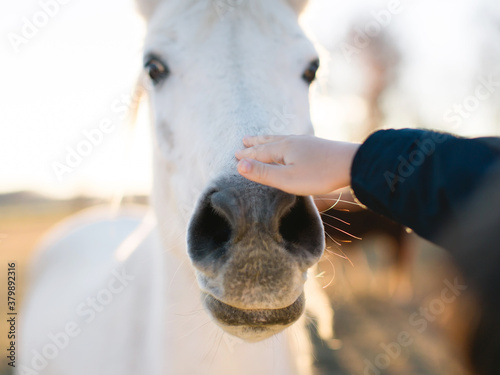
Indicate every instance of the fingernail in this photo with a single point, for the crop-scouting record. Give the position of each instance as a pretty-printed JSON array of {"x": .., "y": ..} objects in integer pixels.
[{"x": 244, "y": 166}]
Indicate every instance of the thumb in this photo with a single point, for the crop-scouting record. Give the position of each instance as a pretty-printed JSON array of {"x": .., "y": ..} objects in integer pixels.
[{"x": 266, "y": 174}]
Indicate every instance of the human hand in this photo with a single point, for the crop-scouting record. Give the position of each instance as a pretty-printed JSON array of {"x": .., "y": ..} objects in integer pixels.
[{"x": 300, "y": 165}]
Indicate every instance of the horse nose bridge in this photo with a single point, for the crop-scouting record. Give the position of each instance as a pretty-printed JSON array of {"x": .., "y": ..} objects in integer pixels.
[{"x": 252, "y": 207}]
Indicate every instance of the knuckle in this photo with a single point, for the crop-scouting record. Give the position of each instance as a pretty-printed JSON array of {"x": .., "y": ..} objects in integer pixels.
[
  {"x": 267, "y": 137},
  {"x": 253, "y": 152},
  {"x": 243, "y": 153},
  {"x": 256, "y": 150},
  {"x": 262, "y": 172}
]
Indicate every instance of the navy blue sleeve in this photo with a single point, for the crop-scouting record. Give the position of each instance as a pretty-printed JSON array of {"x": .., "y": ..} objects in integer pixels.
[{"x": 420, "y": 178}]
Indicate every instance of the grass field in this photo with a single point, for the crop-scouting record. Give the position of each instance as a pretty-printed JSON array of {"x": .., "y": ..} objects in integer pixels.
[{"x": 369, "y": 315}]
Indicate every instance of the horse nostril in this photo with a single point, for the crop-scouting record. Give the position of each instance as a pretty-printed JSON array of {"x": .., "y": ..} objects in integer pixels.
[
  {"x": 300, "y": 231},
  {"x": 293, "y": 222},
  {"x": 209, "y": 233},
  {"x": 224, "y": 217}
]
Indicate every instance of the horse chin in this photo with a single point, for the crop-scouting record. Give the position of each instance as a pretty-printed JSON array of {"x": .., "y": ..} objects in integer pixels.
[
  {"x": 253, "y": 325},
  {"x": 253, "y": 334}
]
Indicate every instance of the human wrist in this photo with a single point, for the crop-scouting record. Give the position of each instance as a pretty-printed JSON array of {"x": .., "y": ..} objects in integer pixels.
[
  {"x": 351, "y": 150},
  {"x": 341, "y": 157}
]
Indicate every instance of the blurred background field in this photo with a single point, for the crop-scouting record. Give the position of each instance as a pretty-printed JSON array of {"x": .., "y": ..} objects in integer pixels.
[{"x": 422, "y": 69}]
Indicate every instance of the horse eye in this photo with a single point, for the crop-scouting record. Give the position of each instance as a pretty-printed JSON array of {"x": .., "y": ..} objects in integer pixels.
[
  {"x": 156, "y": 69},
  {"x": 310, "y": 73}
]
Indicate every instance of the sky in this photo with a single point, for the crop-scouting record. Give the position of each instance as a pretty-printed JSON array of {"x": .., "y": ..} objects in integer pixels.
[
  {"x": 76, "y": 71},
  {"x": 65, "y": 87}
]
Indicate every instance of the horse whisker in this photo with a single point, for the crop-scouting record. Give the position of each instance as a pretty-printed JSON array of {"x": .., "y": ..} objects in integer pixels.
[
  {"x": 331, "y": 238},
  {"x": 336, "y": 254},
  {"x": 194, "y": 330},
  {"x": 343, "y": 231},
  {"x": 336, "y": 218},
  {"x": 334, "y": 273},
  {"x": 194, "y": 312},
  {"x": 338, "y": 200},
  {"x": 344, "y": 256},
  {"x": 217, "y": 349}
]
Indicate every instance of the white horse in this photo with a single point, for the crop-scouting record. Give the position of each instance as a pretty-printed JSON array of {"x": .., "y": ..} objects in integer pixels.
[{"x": 127, "y": 294}]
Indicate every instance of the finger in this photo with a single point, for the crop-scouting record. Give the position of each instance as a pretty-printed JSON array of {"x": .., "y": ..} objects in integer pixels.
[
  {"x": 268, "y": 153},
  {"x": 266, "y": 174},
  {"x": 250, "y": 141}
]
